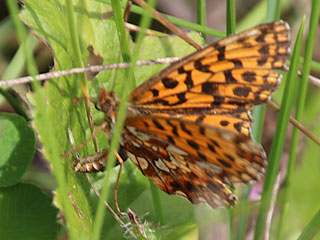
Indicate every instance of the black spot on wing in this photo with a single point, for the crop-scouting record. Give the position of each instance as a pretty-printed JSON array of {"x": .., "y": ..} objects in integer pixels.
[
  {"x": 237, "y": 63},
  {"x": 249, "y": 76},
  {"x": 203, "y": 157},
  {"x": 171, "y": 140},
  {"x": 199, "y": 66},
  {"x": 193, "y": 144},
  {"x": 231, "y": 158},
  {"x": 224, "y": 163},
  {"x": 183, "y": 127},
  {"x": 229, "y": 77},
  {"x": 212, "y": 148},
  {"x": 209, "y": 88},
  {"x": 157, "y": 124},
  {"x": 218, "y": 99},
  {"x": 215, "y": 143},
  {"x": 242, "y": 91},
  {"x": 190, "y": 187},
  {"x": 200, "y": 119},
  {"x": 155, "y": 92},
  {"x": 188, "y": 81},
  {"x": 181, "y": 97},
  {"x": 264, "y": 50},
  {"x": 221, "y": 55},
  {"x": 262, "y": 61},
  {"x": 161, "y": 102},
  {"x": 169, "y": 83},
  {"x": 224, "y": 123},
  {"x": 202, "y": 130},
  {"x": 238, "y": 126},
  {"x": 174, "y": 128}
]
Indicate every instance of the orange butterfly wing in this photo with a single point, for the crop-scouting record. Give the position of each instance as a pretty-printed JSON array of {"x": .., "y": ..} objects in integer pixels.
[
  {"x": 192, "y": 160},
  {"x": 220, "y": 82}
]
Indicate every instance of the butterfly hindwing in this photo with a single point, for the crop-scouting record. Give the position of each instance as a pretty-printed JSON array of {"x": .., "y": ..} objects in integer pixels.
[{"x": 176, "y": 154}]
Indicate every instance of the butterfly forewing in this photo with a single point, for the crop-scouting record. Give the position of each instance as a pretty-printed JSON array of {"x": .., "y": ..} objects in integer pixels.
[{"x": 227, "y": 77}]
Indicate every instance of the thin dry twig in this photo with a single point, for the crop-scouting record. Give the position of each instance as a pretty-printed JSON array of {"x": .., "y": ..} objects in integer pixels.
[
  {"x": 312, "y": 79},
  {"x": 115, "y": 216},
  {"x": 271, "y": 209},
  {"x": 94, "y": 69},
  {"x": 168, "y": 24},
  {"x": 295, "y": 123}
]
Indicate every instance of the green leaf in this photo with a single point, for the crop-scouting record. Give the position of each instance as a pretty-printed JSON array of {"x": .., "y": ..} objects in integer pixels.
[
  {"x": 17, "y": 147},
  {"x": 27, "y": 213}
]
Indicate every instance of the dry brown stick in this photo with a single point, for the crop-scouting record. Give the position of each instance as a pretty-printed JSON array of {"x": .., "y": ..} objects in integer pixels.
[
  {"x": 312, "y": 79},
  {"x": 115, "y": 216},
  {"x": 117, "y": 182},
  {"x": 297, "y": 124},
  {"x": 94, "y": 69},
  {"x": 168, "y": 24}
]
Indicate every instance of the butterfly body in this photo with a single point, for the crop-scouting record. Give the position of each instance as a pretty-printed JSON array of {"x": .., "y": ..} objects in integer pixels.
[{"x": 188, "y": 128}]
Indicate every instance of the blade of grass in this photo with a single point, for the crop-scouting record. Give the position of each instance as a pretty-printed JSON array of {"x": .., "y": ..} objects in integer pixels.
[
  {"x": 14, "y": 69},
  {"x": 231, "y": 17},
  {"x": 231, "y": 224},
  {"x": 279, "y": 138},
  {"x": 79, "y": 63},
  {"x": 260, "y": 111},
  {"x": 114, "y": 144},
  {"x": 201, "y": 15},
  {"x": 231, "y": 29},
  {"x": 144, "y": 25},
  {"x": 273, "y": 10},
  {"x": 244, "y": 213},
  {"x": 157, "y": 202},
  {"x": 312, "y": 228},
  {"x": 299, "y": 111},
  {"x": 32, "y": 70},
  {"x": 118, "y": 15},
  {"x": 178, "y": 22}
]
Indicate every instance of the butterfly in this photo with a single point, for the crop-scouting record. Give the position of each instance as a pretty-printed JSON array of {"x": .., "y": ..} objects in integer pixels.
[{"x": 188, "y": 127}]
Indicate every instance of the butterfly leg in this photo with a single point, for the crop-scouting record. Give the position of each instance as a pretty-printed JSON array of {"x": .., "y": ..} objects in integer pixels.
[
  {"x": 102, "y": 127},
  {"x": 117, "y": 183}
]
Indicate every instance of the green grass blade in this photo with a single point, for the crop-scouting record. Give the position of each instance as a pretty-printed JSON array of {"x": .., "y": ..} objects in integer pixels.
[
  {"x": 231, "y": 224},
  {"x": 279, "y": 138},
  {"x": 231, "y": 29},
  {"x": 178, "y": 22},
  {"x": 312, "y": 228},
  {"x": 201, "y": 14},
  {"x": 244, "y": 213},
  {"x": 32, "y": 70},
  {"x": 299, "y": 111},
  {"x": 144, "y": 25},
  {"x": 114, "y": 145},
  {"x": 273, "y": 10},
  {"x": 231, "y": 17},
  {"x": 124, "y": 96}
]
